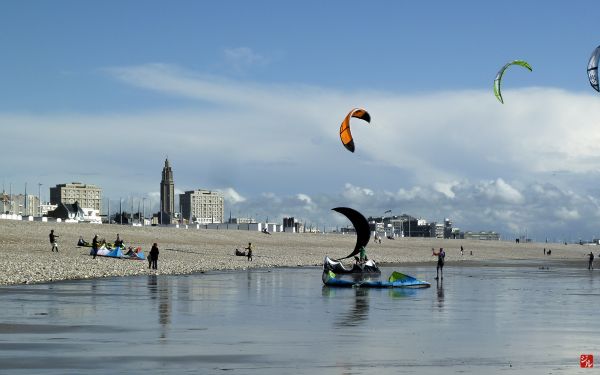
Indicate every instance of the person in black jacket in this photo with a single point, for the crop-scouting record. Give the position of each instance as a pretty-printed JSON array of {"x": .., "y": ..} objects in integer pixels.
[
  {"x": 95, "y": 246},
  {"x": 53, "y": 238},
  {"x": 154, "y": 256},
  {"x": 249, "y": 253}
]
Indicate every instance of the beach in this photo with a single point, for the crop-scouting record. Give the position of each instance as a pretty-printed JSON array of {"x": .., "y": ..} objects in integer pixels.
[{"x": 26, "y": 257}]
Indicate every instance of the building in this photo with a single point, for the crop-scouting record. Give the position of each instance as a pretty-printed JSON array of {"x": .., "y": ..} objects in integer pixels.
[
  {"x": 66, "y": 211},
  {"x": 47, "y": 207},
  {"x": 241, "y": 220},
  {"x": 487, "y": 236},
  {"x": 439, "y": 230},
  {"x": 20, "y": 204},
  {"x": 202, "y": 206},
  {"x": 292, "y": 226},
  {"x": 167, "y": 195},
  {"x": 447, "y": 228},
  {"x": 86, "y": 195}
]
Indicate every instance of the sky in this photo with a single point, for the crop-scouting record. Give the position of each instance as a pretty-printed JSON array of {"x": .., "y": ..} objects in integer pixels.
[{"x": 247, "y": 98}]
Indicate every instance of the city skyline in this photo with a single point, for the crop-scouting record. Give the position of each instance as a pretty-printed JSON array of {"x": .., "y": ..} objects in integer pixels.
[{"x": 250, "y": 105}]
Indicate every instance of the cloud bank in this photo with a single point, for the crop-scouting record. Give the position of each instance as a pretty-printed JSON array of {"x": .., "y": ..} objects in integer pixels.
[{"x": 530, "y": 164}]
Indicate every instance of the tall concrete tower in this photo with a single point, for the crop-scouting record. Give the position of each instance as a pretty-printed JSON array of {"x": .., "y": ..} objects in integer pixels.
[{"x": 167, "y": 194}]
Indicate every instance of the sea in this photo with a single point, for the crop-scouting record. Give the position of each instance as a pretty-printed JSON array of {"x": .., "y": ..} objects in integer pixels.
[{"x": 502, "y": 318}]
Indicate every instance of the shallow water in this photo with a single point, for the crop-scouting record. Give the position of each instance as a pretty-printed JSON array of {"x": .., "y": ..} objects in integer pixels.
[{"x": 491, "y": 320}]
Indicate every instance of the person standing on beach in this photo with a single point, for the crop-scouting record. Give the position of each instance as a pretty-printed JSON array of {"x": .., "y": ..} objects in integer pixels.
[
  {"x": 440, "y": 263},
  {"x": 154, "y": 256},
  {"x": 53, "y": 238},
  {"x": 461, "y": 250},
  {"x": 363, "y": 254},
  {"x": 249, "y": 248},
  {"x": 591, "y": 262},
  {"x": 95, "y": 246}
]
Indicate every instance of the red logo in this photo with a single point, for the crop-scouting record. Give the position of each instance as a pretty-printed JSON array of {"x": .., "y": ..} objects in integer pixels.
[{"x": 586, "y": 361}]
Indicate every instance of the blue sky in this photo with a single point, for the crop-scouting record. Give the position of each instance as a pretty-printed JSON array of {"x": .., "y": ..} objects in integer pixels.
[{"x": 247, "y": 97}]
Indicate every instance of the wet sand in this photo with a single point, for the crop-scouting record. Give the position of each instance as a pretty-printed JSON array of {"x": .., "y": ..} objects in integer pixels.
[
  {"x": 25, "y": 255},
  {"x": 478, "y": 320}
]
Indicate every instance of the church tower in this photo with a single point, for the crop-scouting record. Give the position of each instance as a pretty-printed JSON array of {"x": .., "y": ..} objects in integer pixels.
[{"x": 167, "y": 195}]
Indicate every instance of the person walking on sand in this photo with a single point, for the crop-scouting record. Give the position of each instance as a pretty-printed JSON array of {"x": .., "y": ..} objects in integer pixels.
[
  {"x": 441, "y": 254},
  {"x": 154, "y": 256},
  {"x": 95, "y": 246},
  {"x": 249, "y": 248},
  {"x": 591, "y": 261},
  {"x": 461, "y": 250},
  {"x": 53, "y": 238}
]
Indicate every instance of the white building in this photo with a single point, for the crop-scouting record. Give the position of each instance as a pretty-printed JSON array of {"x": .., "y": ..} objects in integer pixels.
[
  {"x": 47, "y": 207},
  {"x": 202, "y": 206}
]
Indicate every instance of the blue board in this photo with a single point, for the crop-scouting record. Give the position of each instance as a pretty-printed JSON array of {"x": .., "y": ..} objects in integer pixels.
[{"x": 396, "y": 280}]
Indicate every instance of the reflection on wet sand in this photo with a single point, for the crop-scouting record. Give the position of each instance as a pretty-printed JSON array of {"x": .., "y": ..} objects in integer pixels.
[
  {"x": 488, "y": 319},
  {"x": 360, "y": 308},
  {"x": 159, "y": 288},
  {"x": 440, "y": 294}
]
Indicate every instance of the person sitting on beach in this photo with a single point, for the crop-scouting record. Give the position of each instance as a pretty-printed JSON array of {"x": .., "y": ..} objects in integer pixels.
[
  {"x": 591, "y": 261},
  {"x": 249, "y": 254},
  {"x": 82, "y": 242},
  {"x": 363, "y": 254},
  {"x": 130, "y": 251},
  {"x": 549, "y": 252},
  {"x": 118, "y": 242},
  {"x": 265, "y": 231}
]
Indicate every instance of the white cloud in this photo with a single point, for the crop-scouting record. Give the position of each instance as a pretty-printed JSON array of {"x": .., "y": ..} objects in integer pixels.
[
  {"x": 232, "y": 196},
  {"x": 445, "y": 188},
  {"x": 564, "y": 213},
  {"x": 241, "y": 58},
  {"x": 284, "y": 139},
  {"x": 357, "y": 194},
  {"x": 501, "y": 191}
]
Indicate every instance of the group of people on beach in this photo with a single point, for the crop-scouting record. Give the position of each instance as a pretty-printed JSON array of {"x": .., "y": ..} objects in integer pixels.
[{"x": 97, "y": 244}]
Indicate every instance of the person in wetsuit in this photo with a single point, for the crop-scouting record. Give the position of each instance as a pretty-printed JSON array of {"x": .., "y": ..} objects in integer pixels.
[{"x": 440, "y": 263}]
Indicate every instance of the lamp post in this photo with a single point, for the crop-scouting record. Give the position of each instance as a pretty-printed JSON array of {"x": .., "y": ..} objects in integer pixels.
[
  {"x": 144, "y": 211},
  {"x": 40, "y": 199}
]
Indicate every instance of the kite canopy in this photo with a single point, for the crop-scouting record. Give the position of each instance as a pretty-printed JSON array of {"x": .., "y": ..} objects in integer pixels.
[
  {"x": 498, "y": 79},
  {"x": 345, "y": 135},
  {"x": 361, "y": 225},
  {"x": 593, "y": 69}
]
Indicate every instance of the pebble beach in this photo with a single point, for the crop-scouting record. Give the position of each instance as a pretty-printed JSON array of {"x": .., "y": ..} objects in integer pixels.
[{"x": 26, "y": 256}]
